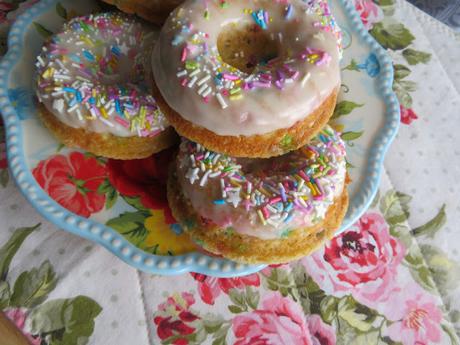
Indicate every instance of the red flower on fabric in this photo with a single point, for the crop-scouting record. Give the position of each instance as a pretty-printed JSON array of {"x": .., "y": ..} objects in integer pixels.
[
  {"x": 369, "y": 12},
  {"x": 174, "y": 318},
  {"x": 73, "y": 181},
  {"x": 407, "y": 115},
  {"x": 210, "y": 288},
  {"x": 144, "y": 178}
]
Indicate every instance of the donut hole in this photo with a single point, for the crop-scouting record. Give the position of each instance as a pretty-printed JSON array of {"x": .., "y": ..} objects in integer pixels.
[{"x": 246, "y": 47}]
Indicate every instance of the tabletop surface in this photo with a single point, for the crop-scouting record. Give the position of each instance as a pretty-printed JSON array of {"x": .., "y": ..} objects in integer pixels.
[{"x": 392, "y": 278}]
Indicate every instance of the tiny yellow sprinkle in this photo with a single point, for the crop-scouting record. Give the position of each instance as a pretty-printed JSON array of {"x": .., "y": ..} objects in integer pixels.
[
  {"x": 104, "y": 112},
  {"x": 261, "y": 217}
]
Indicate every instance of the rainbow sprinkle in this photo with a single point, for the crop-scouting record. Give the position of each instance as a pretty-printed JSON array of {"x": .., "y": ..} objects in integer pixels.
[
  {"x": 297, "y": 184},
  {"x": 94, "y": 69}
]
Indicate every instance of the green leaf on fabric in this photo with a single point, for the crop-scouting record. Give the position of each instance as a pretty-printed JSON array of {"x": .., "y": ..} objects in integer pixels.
[
  {"x": 401, "y": 72},
  {"x": 135, "y": 202},
  {"x": 433, "y": 226},
  {"x": 131, "y": 226},
  {"x": 349, "y": 136},
  {"x": 344, "y": 108},
  {"x": 235, "y": 309},
  {"x": 445, "y": 272},
  {"x": 404, "y": 97},
  {"x": 419, "y": 270},
  {"x": 32, "y": 287},
  {"x": 402, "y": 232},
  {"x": 408, "y": 85},
  {"x": 252, "y": 297},
  {"x": 392, "y": 35},
  {"x": 238, "y": 298},
  {"x": 9, "y": 249},
  {"x": 450, "y": 331},
  {"x": 279, "y": 280},
  {"x": 414, "y": 57},
  {"x": 221, "y": 335},
  {"x": 385, "y": 2},
  {"x": 395, "y": 207},
  {"x": 60, "y": 147},
  {"x": 4, "y": 177},
  {"x": 328, "y": 308},
  {"x": 67, "y": 321},
  {"x": 357, "y": 315},
  {"x": 44, "y": 32},
  {"x": 4, "y": 294},
  {"x": 104, "y": 187},
  {"x": 346, "y": 335},
  {"x": 61, "y": 11},
  {"x": 111, "y": 198},
  {"x": 212, "y": 322}
]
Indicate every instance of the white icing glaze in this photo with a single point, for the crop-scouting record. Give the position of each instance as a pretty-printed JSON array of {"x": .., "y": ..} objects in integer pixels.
[
  {"x": 235, "y": 193},
  {"x": 104, "y": 57},
  {"x": 261, "y": 109}
]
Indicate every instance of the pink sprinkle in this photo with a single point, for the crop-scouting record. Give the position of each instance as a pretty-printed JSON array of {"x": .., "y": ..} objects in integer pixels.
[
  {"x": 302, "y": 175},
  {"x": 295, "y": 75},
  {"x": 262, "y": 84},
  {"x": 229, "y": 76},
  {"x": 122, "y": 122},
  {"x": 274, "y": 200},
  {"x": 184, "y": 82},
  {"x": 324, "y": 60},
  {"x": 199, "y": 157},
  {"x": 184, "y": 54},
  {"x": 279, "y": 85},
  {"x": 225, "y": 92},
  {"x": 206, "y": 99}
]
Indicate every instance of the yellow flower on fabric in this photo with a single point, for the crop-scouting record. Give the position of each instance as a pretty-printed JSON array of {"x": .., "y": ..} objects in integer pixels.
[{"x": 163, "y": 238}]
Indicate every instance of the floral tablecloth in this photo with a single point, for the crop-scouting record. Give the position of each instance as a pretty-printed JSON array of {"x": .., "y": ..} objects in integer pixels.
[{"x": 392, "y": 278}]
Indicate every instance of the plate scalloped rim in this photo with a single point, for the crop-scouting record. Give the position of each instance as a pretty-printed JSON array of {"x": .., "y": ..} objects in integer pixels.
[{"x": 192, "y": 262}]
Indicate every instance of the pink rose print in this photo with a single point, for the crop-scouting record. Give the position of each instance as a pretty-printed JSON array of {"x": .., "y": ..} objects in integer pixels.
[
  {"x": 321, "y": 333},
  {"x": 407, "y": 115},
  {"x": 418, "y": 317},
  {"x": 362, "y": 261},
  {"x": 210, "y": 288},
  {"x": 18, "y": 317},
  {"x": 73, "y": 181},
  {"x": 369, "y": 12},
  {"x": 174, "y": 318},
  {"x": 280, "y": 322}
]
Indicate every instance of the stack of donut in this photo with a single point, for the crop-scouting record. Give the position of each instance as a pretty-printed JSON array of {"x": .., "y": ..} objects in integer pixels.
[{"x": 249, "y": 86}]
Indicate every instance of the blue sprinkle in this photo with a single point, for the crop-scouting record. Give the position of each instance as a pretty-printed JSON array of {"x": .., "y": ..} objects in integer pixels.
[
  {"x": 69, "y": 89},
  {"x": 219, "y": 202},
  {"x": 289, "y": 218},
  {"x": 75, "y": 58},
  {"x": 118, "y": 107},
  {"x": 72, "y": 102},
  {"x": 91, "y": 100},
  {"x": 79, "y": 98},
  {"x": 259, "y": 18},
  {"x": 289, "y": 207},
  {"x": 88, "y": 55},
  {"x": 115, "y": 50},
  {"x": 289, "y": 11}
]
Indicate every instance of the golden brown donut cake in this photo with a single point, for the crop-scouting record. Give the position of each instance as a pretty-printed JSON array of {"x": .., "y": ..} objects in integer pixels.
[
  {"x": 261, "y": 210},
  {"x": 93, "y": 83},
  {"x": 155, "y": 11},
  {"x": 259, "y": 85}
]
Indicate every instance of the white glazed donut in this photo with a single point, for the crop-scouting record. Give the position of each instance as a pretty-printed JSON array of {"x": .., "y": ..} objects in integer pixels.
[
  {"x": 203, "y": 89},
  {"x": 264, "y": 198},
  {"x": 92, "y": 75}
]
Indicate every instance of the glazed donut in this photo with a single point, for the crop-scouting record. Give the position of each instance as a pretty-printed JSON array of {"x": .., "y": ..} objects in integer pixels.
[
  {"x": 93, "y": 83},
  {"x": 248, "y": 78},
  {"x": 268, "y": 203}
]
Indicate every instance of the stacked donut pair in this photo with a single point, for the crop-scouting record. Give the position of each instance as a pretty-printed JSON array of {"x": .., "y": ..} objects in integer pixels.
[{"x": 249, "y": 86}]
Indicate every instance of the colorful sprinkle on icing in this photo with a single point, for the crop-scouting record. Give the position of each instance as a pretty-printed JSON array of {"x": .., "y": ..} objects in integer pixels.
[
  {"x": 204, "y": 70},
  {"x": 95, "y": 70},
  {"x": 285, "y": 189}
]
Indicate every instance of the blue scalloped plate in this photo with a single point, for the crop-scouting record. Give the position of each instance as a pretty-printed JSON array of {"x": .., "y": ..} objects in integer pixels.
[{"x": 368, "y": 116}]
